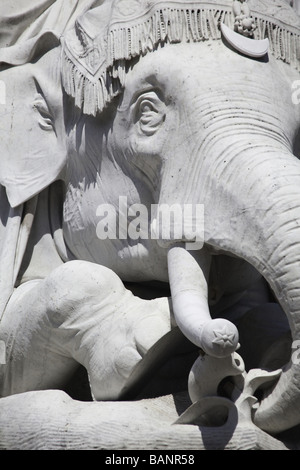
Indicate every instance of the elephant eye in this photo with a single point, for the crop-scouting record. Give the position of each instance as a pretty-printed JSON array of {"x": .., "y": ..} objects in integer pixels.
[
  {"x": 146, "y": 107},
  {"x": 150, "y": 113},
  {"x": 147, "y": 111},
  {"x": 45, "y": 120}
]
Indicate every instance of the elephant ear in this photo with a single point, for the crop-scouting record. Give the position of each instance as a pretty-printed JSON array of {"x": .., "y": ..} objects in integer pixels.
[{"x": 33, "y": 150}]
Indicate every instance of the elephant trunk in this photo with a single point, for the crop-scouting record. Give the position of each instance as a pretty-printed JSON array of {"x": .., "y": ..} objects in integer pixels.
[
  {"x": 279, "y": 238},
  {"x": 188, "y": 275},
  {"x": 253, "y": 212}
]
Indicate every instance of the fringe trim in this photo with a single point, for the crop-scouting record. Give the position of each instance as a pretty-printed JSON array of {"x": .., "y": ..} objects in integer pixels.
[
  {"x": 91, "y": 95},
  {"x": 284, "y": 44},
  {"x": 93, "y": 91}
]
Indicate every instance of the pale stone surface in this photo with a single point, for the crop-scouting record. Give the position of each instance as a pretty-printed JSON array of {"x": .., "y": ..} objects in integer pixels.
[{"x": 110, "y": 111}]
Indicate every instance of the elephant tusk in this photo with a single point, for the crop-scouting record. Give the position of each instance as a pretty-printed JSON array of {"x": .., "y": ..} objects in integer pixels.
[
  {"x": 249, "y": 47},
  {"x": 188, "y": 273}
]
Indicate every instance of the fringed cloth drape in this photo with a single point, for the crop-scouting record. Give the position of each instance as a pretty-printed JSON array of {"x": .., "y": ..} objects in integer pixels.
[{"x": 94, "y": 57}]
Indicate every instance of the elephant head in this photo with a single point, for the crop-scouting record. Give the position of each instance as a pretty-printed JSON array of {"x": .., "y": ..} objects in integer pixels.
[
  {"x": 196, "y": 123},
  {"x": 157, "y": 106},
  {"x": 42, "y": 129}
]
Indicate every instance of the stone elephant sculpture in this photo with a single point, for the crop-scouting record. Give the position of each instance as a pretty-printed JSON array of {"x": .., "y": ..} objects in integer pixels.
[{"x": 148, "y": 100}]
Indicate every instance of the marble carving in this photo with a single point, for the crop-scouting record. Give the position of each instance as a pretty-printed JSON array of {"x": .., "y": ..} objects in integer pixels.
[{"x": 149, "y": 224}]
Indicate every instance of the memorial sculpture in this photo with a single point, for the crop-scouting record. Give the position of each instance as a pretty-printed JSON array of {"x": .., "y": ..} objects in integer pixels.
[{"x": 119, "y": 110}]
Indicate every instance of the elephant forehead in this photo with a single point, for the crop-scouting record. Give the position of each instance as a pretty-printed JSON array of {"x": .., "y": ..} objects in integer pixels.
[{"x": 192, "y": 66}]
